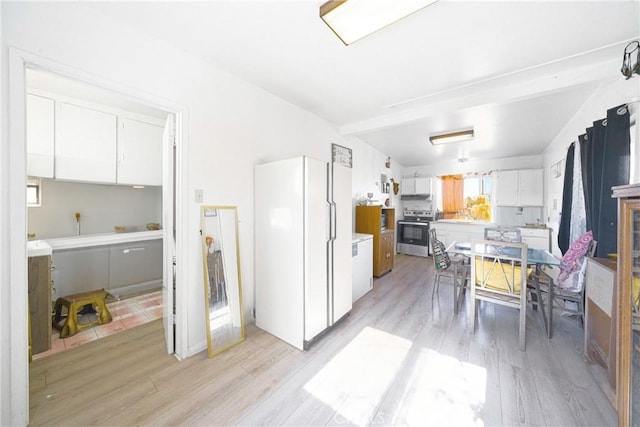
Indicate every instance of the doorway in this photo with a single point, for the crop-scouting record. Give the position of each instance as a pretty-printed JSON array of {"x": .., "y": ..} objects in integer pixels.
[{"x": 172, "y": 191}]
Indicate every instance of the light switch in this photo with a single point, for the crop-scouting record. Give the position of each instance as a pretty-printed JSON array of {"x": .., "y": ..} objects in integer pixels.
[
  {"x": 199, "y": 196},
  {"x": 555, "y": 204}
]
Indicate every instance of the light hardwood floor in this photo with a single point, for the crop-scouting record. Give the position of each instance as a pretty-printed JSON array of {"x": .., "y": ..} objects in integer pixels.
[{"x": 399, "y": 358}]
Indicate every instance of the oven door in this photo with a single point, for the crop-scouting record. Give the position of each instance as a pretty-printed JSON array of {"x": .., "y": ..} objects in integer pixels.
[{"x": 413, "y": 238}]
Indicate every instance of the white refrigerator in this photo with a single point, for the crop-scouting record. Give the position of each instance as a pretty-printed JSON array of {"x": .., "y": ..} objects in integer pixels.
[{"x": 303, "y": 214}]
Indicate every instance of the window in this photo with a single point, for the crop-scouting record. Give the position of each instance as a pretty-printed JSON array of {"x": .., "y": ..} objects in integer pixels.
[
  {"x": 34, "y": 192},
  {"x": 477, "y": 197}
]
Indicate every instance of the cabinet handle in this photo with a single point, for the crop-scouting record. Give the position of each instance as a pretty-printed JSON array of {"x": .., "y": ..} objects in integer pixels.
[{"x": 129, "y": 250}]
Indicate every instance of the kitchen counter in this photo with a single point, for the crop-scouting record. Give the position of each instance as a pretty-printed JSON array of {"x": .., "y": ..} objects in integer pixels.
[
  {"x": 90, "y": 240},
  {"x": 466, "y": 221}
]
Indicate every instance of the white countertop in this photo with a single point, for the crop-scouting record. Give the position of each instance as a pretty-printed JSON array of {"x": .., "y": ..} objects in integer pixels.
[
  {"x": 358, "y": 237},
  {"x": 73, "y": 242},
  {"x": 38, "y": 248}
]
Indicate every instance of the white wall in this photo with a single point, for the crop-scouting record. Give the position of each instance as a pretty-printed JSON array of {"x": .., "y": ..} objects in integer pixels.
[
  {"x": 610, "y": 94},
  {"x": 101, "y": 207},
  {"x": 368, "y": 167},
  {"x": 230, "y": 126}
]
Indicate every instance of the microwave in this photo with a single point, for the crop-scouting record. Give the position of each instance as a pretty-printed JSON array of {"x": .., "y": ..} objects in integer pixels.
[{"x": 383, "y": 221}]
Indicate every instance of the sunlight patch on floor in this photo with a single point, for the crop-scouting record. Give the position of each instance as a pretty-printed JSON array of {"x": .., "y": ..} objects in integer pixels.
[
  {"x": 354, "y": 382},
  {"x": 443, "y": 391}
]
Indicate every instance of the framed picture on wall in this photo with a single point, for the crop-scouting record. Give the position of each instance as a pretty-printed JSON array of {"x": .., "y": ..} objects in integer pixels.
[{"x": 556, "y": 169}]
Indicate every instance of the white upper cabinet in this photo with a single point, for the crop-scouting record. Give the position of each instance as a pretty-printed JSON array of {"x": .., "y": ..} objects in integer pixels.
[
  {"x": 423, "y": 185},
  {"x": 408, "y": 186},
  {"x": 416, "y": 186},
  {"x": 531, "y": 182},
  {"x": 85, "y": 148},
  {"x": 139, "y": 153},
  {"x": 40, "y": 136},
  {"x": 520, "y": 188}
]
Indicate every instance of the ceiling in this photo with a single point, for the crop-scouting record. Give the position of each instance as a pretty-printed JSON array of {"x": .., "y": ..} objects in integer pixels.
[{"x": 516, "y": 71}]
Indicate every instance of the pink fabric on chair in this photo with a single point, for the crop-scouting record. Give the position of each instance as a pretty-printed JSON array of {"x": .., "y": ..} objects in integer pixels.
[{"x": 573, "y": 259}]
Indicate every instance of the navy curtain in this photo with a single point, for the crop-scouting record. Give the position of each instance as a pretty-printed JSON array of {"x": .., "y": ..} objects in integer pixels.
[
  {"x": 615, "y": 171},
  {"x": 605, "y": 162},
  {"x": 567, "y": 194}
]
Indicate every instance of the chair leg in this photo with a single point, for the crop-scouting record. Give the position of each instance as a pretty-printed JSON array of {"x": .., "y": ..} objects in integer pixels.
[
  {"x": 436, "y": 285},
  {"x": 523, "y": 326},
  {"x": 474, "y": 308}
]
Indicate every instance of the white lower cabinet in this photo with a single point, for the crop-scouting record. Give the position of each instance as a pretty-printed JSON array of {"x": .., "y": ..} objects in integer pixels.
[
  {"x": 449, "y": 232},
  {"x": 85, "y": 147},
  {"x": 119, "y": 268},
  {"x": 537, "y": 238}
]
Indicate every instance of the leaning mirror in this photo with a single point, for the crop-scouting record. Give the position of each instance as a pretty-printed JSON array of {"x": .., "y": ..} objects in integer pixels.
[{"x": 222, "y": 286}]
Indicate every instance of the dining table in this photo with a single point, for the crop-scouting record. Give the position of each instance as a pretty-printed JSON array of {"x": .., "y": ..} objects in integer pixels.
[{"x": 538, "y": 258}]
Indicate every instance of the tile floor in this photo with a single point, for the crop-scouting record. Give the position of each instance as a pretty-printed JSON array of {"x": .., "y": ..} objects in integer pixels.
[{"x": 126, "y": 313}]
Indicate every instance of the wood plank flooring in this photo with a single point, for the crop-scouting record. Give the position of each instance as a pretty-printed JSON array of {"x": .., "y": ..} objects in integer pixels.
[{"x": 399, "y": 358}]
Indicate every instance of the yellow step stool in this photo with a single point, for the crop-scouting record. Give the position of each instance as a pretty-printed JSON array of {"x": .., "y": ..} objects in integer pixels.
[{"x": 75, "y": 303}]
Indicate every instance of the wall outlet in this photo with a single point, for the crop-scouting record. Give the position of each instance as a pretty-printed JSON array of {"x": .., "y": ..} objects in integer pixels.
[{"x": 199, "y": 195}]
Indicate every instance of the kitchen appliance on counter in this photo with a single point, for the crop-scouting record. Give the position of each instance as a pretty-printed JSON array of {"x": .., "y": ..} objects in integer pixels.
[
  {"x": 303, "y": 270},
  {"x": 413, "y": 232}
]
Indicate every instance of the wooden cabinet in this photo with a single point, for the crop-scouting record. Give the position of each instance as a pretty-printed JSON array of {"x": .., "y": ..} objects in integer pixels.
[
  {"x": 599, "y": 330},
  {"x": 40, "y": 136},
  {"x": 369, "y": 221},
  {"x": 85, "y": 146},
  {"x": 39, "y": 293},
  {"x": 520, "y": 187},
  {"x": 627, "y": 305},
  {"x": 139, "y": 153}
]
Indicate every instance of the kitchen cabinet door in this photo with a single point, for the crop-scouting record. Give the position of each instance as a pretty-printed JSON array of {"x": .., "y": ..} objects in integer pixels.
[
  {"x": 139, "y": 153},
  {"x": 408, "y": 186},
  {"x": 423, "y": 185},
  {"x": 386, "y": 253},
  {"x": 530, "y": 187},
  {"x": 39, "y": 291},
  {"x": 507, "y": 188},
  {"x": 40, "y": 136},
  {"x": 135, "y": 263},
  {"x": 85, "y": 148},
  {"x": 536, "y": 238}
]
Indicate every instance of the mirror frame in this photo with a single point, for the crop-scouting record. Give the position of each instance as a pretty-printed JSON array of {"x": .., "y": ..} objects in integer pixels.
[{"x": 212, "y": 351}]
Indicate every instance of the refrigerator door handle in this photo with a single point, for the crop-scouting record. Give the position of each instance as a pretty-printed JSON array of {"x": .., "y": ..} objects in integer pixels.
[
  {"x": 333, "y": 220},
  {"x": 328, "y": 222}
]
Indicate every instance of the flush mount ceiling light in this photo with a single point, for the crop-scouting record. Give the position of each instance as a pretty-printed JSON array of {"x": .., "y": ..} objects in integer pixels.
[
  {"x": 451, "y": 137},
  {"x": 352, "y": 20}
]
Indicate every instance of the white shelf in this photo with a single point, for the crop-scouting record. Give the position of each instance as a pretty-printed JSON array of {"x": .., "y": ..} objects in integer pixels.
[{"x": 102, "y": 239}]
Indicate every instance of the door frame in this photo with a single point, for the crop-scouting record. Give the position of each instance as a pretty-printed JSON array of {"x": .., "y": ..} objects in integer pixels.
[{"x": 19, "y": 61}]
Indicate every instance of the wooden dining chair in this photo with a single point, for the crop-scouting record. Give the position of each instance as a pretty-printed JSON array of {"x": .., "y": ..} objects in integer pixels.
[{"x": 497, "y": 276}]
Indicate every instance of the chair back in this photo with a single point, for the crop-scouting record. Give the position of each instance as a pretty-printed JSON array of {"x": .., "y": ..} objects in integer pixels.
[
  {"x": 441, "y": 260},
  {"x": 503, "y": 234},
  {"x": 499, "y": 269},
  {"x": 433, "y": 236},
  {"x": 499, "y": 275}
]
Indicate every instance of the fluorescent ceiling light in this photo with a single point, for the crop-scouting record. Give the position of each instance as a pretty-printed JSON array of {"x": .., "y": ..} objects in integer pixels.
[
  {"x": 451, "y": 137},
  {"x": 352, "y": 20}
]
